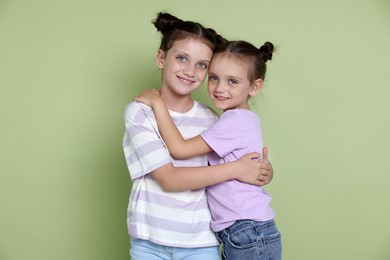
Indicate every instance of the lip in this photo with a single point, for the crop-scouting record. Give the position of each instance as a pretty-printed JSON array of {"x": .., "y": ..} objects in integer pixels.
[
  {"x": 185, "y": 81},
  {"x": 221, "y": 98}
]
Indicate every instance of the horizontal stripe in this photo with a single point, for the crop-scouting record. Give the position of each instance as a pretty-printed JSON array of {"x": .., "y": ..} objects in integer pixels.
[
  {"x": 136, "y": 112},
  {"x": 188, "y": 132},
  {"x": 168, "y": 213},
  {"x": 192, "y": 122},
  {"x": 141, "y": 135},
  {"x": 147, "y": 187},
  {"x": 147, "y": 151},
  {"x": 137, "y": 171},
  {"x": 171, "y": 238},
  {"x": 195, "y": 200},
  {"x": 172, "y": 225}
]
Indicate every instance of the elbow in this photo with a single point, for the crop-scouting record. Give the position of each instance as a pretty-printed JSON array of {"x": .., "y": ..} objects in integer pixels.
[
  {"x": 178, "y": 154},
  {"x": 178, "y": 157},
  {"x": 166, "y": 180},
  {"x": 167, "y": 186}
]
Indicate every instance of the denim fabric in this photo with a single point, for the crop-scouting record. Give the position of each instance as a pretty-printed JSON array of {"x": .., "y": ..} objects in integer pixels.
[
  {"x": 145, "y": 250},
  {"x": 248, "y": 239}
]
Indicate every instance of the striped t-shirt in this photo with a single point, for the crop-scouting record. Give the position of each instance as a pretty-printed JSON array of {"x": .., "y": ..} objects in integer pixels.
[{"x": 180, "y": 219}]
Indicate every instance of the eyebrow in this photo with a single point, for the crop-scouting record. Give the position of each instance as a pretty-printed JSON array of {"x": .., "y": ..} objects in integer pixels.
[
  {"x": 235, "y": 77},
  {"x": 186, "y": 54},
  {"x": 181, "y": 52},
  {"x": 228, "y": 76}
]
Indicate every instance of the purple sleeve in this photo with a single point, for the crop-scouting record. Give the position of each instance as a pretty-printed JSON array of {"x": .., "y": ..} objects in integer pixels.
[{"x": 224, "y": 135}]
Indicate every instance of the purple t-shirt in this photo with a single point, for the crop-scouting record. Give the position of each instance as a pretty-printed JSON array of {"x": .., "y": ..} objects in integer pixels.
[{"x": 234, "y": 135}]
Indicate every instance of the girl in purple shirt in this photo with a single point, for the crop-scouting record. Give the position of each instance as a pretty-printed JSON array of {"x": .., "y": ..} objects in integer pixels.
[{"x": 242, "y": 217}]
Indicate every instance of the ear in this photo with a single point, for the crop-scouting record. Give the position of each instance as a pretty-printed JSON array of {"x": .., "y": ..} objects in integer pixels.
[
  {"x": 160, "y": 58},
  {"x": 256, "y": 87}
]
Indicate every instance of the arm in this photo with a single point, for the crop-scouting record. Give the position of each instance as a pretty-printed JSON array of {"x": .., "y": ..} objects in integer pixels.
[
  {"x": 246, "y": 169},
  {"x": 177, "y": 146},
  {"x": 178, "y": 178}
]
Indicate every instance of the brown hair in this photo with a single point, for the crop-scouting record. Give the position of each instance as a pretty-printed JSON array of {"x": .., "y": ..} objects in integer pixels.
[
  {"x": 174, "y": 29},
  {"x": 256, "y": 57}
]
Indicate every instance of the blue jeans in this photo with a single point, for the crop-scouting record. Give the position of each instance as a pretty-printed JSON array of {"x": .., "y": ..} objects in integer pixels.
[
  {"x": 145, "y": 250},
  {"x": 248, "y": 239}
]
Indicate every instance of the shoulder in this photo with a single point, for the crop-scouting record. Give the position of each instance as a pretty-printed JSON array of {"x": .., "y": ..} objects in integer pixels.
[
  {"x": 232, "y": 114},
  {"x": 241, "y": 113},
  {"x": 136, "y": 111},
  {"x": 240, "y": 117}
]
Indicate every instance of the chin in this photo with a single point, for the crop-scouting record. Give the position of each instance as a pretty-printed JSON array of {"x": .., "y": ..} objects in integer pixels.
[{"x": 220, "y": 107}]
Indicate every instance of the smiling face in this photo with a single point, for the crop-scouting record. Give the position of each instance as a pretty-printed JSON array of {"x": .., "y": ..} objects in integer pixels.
[
  {"x": 184, "y": 66},
  {"x": 229, "y": 86}
]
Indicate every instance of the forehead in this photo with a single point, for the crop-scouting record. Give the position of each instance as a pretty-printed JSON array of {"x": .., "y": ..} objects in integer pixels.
[
  {"x": 193, "y": 47},
  {"x": 228, "y": 61}
]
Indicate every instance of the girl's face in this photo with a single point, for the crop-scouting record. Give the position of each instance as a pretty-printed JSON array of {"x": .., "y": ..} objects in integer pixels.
[
  {"x": 229, "y": 86},
  {"x": 184, "y": 66}
]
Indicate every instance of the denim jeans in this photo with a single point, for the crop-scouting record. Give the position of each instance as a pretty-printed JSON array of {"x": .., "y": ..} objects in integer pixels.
[
  {"x": 146, "y": 250},
  {"x": 248, "y": 239}
]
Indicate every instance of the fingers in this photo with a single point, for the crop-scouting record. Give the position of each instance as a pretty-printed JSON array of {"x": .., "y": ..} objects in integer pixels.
[
  {"x": 266, "y": 163},
  {"x": 148, "y": 97},
  {"x": 262, "y": 182},
  {"x": 265, "y": 171},
  {"x": 253, "y": 156},
  {"x": 265, "y": 153},
  {"x": 148, "y": 93},
  {"x": 265, "y": 181}
]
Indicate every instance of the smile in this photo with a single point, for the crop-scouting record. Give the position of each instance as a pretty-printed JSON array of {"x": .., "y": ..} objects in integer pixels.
[
  {"x": 185, "y": 81},
  {"x": 220, "y": 97}
]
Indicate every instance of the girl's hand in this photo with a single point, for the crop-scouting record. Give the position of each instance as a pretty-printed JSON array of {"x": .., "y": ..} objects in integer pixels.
[
  {"x": 250, "y": 170},
  {"x": 266, "y": 167},
  {"x": 255, "y": 169},
  {"x": 149, "y": 97}
]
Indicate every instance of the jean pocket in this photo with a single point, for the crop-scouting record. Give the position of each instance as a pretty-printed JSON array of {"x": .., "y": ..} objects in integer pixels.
[
  {"x": 272, "y": 244},
  {"x": 243, "y": 239},
  {"x": 271, "y": 234}
]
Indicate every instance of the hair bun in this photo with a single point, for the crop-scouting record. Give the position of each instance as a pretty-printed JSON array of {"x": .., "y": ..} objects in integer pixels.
[
  {"x": 266, "y": 51},
  {"x": 218, "y": 38},
  {"x": 165, "y": 22}
]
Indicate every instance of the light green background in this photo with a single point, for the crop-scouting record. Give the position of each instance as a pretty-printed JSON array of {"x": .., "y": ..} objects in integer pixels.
[{"x": 68, "y": 69}]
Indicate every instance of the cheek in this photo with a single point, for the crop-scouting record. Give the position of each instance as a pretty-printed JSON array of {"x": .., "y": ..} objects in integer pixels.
[
  {"x": 210, "y": 87},
  {"x": 202, "y": 75}
]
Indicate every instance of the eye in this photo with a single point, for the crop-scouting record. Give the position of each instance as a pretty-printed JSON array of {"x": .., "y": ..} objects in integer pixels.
[
  {"x": 232, "y": 82},
  {"x": 203, "y": 66},
  {"x": 181, "y": 58},
  {"x": 213, "y": 78}
]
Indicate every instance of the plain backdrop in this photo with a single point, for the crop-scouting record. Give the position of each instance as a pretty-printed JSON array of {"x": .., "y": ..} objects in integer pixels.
[{"x": 69, "y": 68}]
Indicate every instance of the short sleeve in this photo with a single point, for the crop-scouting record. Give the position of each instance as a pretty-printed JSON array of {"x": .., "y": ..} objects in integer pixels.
[
  {"x": 144, "y": 149},
  {"x": 224, "y": 136}
]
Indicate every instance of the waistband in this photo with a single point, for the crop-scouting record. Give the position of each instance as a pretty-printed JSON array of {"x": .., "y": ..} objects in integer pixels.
[{"x": 247, "y": 223}]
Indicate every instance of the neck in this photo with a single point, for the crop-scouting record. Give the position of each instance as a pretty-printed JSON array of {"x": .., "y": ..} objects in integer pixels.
[{"x": 177, "y": 103}]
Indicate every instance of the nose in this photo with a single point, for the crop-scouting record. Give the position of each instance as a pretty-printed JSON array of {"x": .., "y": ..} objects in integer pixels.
[
  {"x": 189, "y": 71},
  {"x": 219, "y": 87}
]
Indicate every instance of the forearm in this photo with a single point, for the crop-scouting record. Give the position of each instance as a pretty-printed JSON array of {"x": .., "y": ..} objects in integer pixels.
[
  {"x": 190, "y": 178},
  {"x": 178, "y": 147},
  {"x": 167, "y": 128},
  {"x": 174, "y": 179}
]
